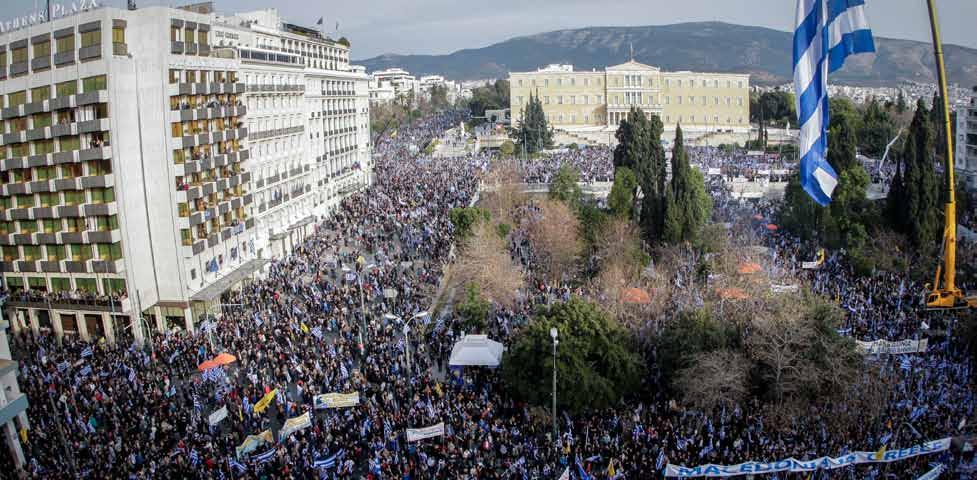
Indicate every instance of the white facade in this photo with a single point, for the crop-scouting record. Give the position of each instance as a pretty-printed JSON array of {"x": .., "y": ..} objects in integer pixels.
[
  {"x": 13, "y": 402},
  {"x": 187, "y": 144},
  {"x": 401, "y": 81},
  {"x": 965, "y": 145}
]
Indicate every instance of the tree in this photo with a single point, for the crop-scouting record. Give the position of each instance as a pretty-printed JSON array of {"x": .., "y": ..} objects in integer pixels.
[
  {"x": 914, "y": 207},
  {"x": 846, "y": 226},
  {"x": 507, "y": 148},
  {"x": 533, "y": 132},
  {"x": 555, "y": 239},
  {"x": 877, "y": 130},
  {"x": 343, "y": 41},
  {"x": 687, "y": 204},
  {"x": 719, "y": 377},
  {"x": 489, "y": 97},
  {"x": 693, "y": 332},
  {"x": 620, "y": 200},
  {"x": 901, "y": 106},
  {"x": 596, "y": 361},
  {"x": 473, "y": 310},
  {"x": 502, "y": 192},
  {"x": 564, "y": 186},
  {"x": 439, "y": 97},
  {"x": 464, "y": 220},
  {"x": 485, "y": 261},
  {"x": 773, "y": 108},
  {"x": 639, "y": 149}
]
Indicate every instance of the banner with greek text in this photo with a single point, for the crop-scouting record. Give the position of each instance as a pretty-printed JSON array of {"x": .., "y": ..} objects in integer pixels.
[
  {"x": 881, "y": 347},
  {"x": 415, "y": 434},
  {"x": 295, "y": 424},
  {"x": 336, "y": 400},
  {"x": 217, "y": 416},
  {"x": 253, "y": 441},
  {"x": 932, "y": 474},
  {"x": 793, "y": 465}
]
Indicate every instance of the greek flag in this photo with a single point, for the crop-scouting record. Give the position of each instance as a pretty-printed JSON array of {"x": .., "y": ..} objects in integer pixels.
[
  {"x": 132, "y": 375},
  {"x": 85, "y": 371},
  {"x": 196, "y": 404},
  {"x": 660, "y": 463},
  {"x": 264, "y": 457},
  {"x": 194, "y": 458},
  {"x": 317, "y": 332},
  {"x": 827, "y": 32},
  {"x": 329, "y": 462},
  {"x": 87, "y": 352},
  {"x": 236, "y": 466},
  {"x": 63, "y": 366}
]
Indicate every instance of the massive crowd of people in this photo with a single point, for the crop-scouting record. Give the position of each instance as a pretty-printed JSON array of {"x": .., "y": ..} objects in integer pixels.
[
  {"x": 331, "y": 317},
  {"x": 592, "y": 163}
]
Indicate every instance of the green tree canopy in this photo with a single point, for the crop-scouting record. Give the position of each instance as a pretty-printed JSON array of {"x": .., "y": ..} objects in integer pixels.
[
  {"x": 473, "y": 310},
  {"x": 507, "y": 148},
  {"x": 877, "y": 130},
  {"x": 564, "y": 186},
  {"x": 687, "y": 204},
  {"x": 597, "y": 364},
  {"x": 776, "y": 108},
  {"x": 621, "y": 198},
  {"x": 533, "y": 131},
  {"x": 489, "y": 97},
  {"x": 913, "y": 202},
  {"x": 464, "y": 220}
]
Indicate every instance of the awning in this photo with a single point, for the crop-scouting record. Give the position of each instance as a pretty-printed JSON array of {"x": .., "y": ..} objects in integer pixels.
[
  {"x": 303, "y": 222},
  {"x": 476, "y": 350},
  {"x": 224, "y": 283}
]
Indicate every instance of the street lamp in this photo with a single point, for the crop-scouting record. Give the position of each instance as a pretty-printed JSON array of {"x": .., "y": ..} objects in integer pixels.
[
  {"x": 554, "y": 334},
  {"x": 363, "y": 333}
]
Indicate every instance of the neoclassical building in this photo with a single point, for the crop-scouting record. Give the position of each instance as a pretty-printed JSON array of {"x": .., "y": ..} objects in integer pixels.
[{"x": 595, "y": 101}]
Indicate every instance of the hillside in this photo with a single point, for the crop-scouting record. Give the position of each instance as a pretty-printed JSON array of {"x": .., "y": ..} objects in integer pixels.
[{"x": 703, "y": 46}]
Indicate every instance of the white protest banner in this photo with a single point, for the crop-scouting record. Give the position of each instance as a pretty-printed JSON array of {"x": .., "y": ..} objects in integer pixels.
[
  {"x": 252, "y": 441},
  {"x": 566, "y": 474},
  {"x": 932, "y": 474},
  {"x": 793, "y": 465},
  {"x": 880, "y": 347},
  {"x": 336, "y": 400},
  {"x": 415, "y": 434},
  {"x": 217, "y": 416},
  {"x": 389, "y": 293},
  {"x": 775, "y": 288},
  {"x": 295, "y": 424},
  {"x": 810, "y": 265}
]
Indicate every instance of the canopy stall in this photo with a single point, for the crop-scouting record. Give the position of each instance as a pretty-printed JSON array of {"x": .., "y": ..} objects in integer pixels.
[{"x": 476, "y": 351}]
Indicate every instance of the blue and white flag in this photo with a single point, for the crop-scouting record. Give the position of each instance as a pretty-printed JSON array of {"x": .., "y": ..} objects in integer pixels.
[
  {"x": 63, "y": 366},
  {"x": 87, "y": 352},
  {"x": 194, "y": 457},
  {"x": 85, "y": 371},
  {"x": 331, "y": 461},
  {"x": 317, "y": 332},
  {"x": 660, "y": 463},
  {"x": 264, "y": 457},
  {"x": 236, "y": 466},
  {"x": 827, "y": 32}
]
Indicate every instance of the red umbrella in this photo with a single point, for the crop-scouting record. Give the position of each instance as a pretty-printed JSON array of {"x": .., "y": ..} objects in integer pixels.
[
  {"x": 224, "y": 359},
  {"x": 772, "y": 227},
  {"x": 749, "y": 267},
  {"x": 635, "y": 295},
  {"x": 758, "y": 217},
  {"x": 208, "y": 365}
]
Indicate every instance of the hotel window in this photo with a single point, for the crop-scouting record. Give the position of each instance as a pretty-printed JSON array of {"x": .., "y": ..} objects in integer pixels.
[
  {"x": 3, "y": 59},
  {"x": 74, "y": 197},
  {"x": 28, "y": 226},
  {"x": 559, "y": 82},
  {"x": 118, "y": 35},
  {"x": 174, "y": 34},
  {"x": 679, "y": 83},
  {"x": 40, "y": 93},
  {"x": 108, "y": 251},
  {"x": 42, "y": 50},
  {"x": 703, "y": 102},
  {"x": 728, "y": 101},
  {"x": 20, "y": 149},
  {"x": 6, "y": 228},
  {"x": 202, "y": 37},
  {"x": 559, "y": 100},
  {"x": 69, "y": 143},
  {"x": 600, "y": 99},
  {"x": 52, "y": 225},
  {"x": 715, "y": 119},
  {"x": 186, "y": 237},
  {"x": 666, "y": 99},
  {"x": 586, "y": 82},
  {"x": 92, "y": 84},
  {"x": 92, "y": 38},
  {"x": 586, "y": 119},
  {"x": 103, "y": 195},
  {"x": 16, "y": 98},
  {"x": 615, "y": 100},
  {"x": 64, "y": 89},
  {"x": 66, "y": 44},
  {"x": 43, "y": 147},
  {"x": 739, "y": 101},
  {"x": 74, "y": 224},
  {"x": 740, "y": 86},
  {"x": 546, "y": 100},
  {"x": 10, "y": 253},
  {"x": 715, "y": 100},
  {"x": 691, "y": 100},
  {"x": 729, "y": 84},
  {"x": 678, "y": 100},
  {"x": 546, "y": 82},
  {"x": 58, "y": 284},
  {"x": 49, "y": 199},
  {"x": 18, "y": 55},
  {"x": 80, "y": 253},
  {"x": 33, "y": 253},
  {"x": 25, "y": 201},
  {"x": 573, "y": 82},
  {"x": 187, "y": 35},
  {"x": 42, "y": 120},
  {"x": 584, "y": 99}
]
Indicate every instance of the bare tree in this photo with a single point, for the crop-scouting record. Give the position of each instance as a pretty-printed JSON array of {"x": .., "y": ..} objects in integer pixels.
[
  {"x": 503, "y": 190},
  {"x": 779, "y": 339},
  {"x": 555, "y": 236},
  {"x": 716, "y": 377},
  {"x": 485, "y": 261}
]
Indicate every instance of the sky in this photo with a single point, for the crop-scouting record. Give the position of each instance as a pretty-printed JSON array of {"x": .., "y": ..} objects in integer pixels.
[{"x": 375, "y": 27}]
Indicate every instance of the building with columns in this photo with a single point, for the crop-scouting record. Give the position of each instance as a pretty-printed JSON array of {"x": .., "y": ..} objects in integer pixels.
[
  {"x": 13, "y": 403},
  {"x": 152, "y": 159},
  {"x": 596, "y": 101}
]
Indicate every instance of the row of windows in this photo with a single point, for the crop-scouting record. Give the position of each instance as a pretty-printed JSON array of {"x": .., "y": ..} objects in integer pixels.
[
  {"x": 571, "y": 118},
  {"x": 194, "y": 127},
  {"x": 63, "y": 284},
  {"x": 188, "y": 35},
  {"x": 52, "y": 199},
  {"x": 634, "y": 81},
  {"x": 631, "y": 98},
  {"x": 70, "y": 87},
  {"x": 65, "y": 171},
  {"x": 76, "y": 252},
  {"x": 101, "y": 223},
  {"x": 62, "y": 45},
  {"x": 202, "y": 76}
]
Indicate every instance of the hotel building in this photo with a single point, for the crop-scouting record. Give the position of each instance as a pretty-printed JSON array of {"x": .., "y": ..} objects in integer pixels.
[
  {"x": 595, "y": 101},
  {"x": 152, "y": 159}
]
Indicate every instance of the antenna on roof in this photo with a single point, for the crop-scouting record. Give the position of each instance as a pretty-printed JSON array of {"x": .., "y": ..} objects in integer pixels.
[{"x": 632, "y": 50}]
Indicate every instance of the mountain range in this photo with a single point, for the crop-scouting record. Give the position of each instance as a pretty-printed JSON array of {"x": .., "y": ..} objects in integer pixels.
[{"x": 764, "y": 53}]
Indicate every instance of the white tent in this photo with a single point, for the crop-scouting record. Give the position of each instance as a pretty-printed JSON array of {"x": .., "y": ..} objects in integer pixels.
[{"x": 476, "y": 350}]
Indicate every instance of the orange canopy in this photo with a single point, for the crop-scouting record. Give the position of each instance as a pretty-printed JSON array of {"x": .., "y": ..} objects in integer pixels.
[
  {"x": 758, "y": 217},
  {"x": 635, "y": 295},
  {"x": 748, "y": 267},
  {"x": 208, "y": 365},
  {"x": 225, "y": 358},
  {"x": 772, "y": 227},
  {"x": 732, "y": 293}
]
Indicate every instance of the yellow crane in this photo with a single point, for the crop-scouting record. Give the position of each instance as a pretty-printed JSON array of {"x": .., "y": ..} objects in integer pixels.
[{"x": 946, "y": 295}]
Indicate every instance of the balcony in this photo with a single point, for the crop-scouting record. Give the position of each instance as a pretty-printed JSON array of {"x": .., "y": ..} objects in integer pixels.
[
  {"x": 98, "y": 125},
  {"x": 90, "y": 52},
  {"x": 11, "y": 407}
]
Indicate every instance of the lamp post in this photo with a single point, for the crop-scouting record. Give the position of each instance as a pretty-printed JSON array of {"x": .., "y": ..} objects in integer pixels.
[
  {"x": 554, "y": 334},
  {"x": 359, "y": 278}
]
